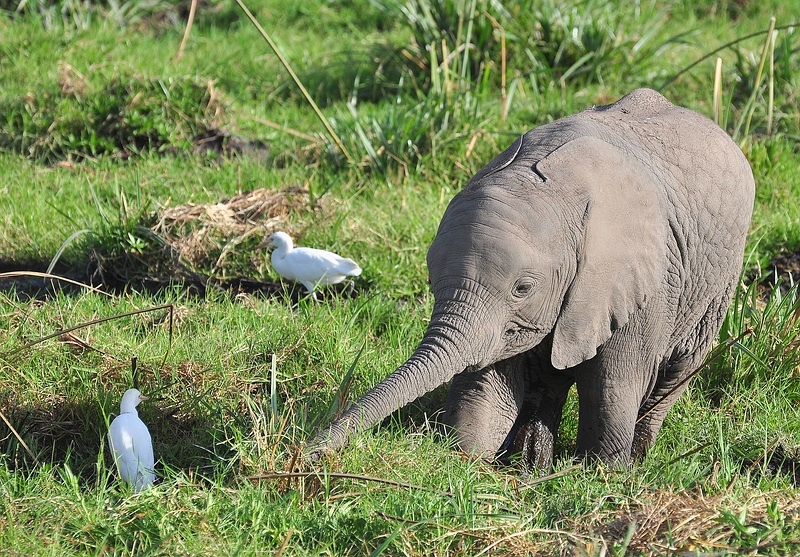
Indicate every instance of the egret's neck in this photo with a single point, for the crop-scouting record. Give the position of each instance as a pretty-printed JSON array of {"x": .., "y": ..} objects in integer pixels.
[
  {"x": 128, "y": 409},
  {"x": 281, "y": 251}
]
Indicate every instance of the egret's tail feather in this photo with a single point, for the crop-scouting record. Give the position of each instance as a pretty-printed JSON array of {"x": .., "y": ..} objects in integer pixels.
[{"x": 349, "y": 267}]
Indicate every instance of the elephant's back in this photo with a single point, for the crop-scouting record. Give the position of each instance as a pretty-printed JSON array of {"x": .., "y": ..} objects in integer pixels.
[
  {"x": 706, "y": 184},
  {"x": 701, "y": 155},
  {"x": 709, "y": 190},
  {"x": 705, "y": 177},
  {"x": 701, "y": 170}
]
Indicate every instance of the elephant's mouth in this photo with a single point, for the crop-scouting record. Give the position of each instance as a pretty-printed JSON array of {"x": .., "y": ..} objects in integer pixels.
[
  {"x": 519, "y": 337},
  {"x": 473, "y": 368}
]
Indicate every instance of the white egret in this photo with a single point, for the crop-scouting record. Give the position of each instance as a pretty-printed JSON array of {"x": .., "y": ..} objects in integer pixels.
[
  {"x": 131, "y": 444},
  {"x": 309, "y": 266}
]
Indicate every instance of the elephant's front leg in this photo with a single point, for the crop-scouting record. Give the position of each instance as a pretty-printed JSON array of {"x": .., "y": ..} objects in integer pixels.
[
  {"x": 535, "y": 432},
  {"x": 482, "y": 406},
  {"x": 611, "y": 388}
]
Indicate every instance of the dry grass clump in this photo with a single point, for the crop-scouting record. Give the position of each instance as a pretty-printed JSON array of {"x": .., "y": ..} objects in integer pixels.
[
  {"x": 199, "y": 244},
  {"x": 688, "y": 522},
  {"x": 205, "y": 235}
]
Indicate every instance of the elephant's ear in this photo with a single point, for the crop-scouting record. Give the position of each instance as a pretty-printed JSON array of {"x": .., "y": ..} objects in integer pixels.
[
  {"x": 623, "y": 260},
  {"x": 501, "y": 161}
]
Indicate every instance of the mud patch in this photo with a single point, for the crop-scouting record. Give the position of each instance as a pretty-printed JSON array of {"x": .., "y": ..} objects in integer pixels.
[{"x": 783, "y": 271}]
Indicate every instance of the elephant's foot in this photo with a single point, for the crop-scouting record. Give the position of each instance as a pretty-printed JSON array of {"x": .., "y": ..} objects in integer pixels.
[
  {"x": 537, "y": 448},
  {"x": 535, "y": 443}
]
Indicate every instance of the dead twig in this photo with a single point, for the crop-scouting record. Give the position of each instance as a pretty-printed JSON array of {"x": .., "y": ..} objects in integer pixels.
[
  {"x": 168, "y": 307},
  {"x": 285, "y": 542},
  {"x": 189, "y": 22},
  {"x": 341, "y": 476},
  {"x": 14, "y": 274}
]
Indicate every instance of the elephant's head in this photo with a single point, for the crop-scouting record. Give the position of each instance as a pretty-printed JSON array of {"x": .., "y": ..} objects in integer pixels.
[
  {"x": 570, "y": 245},
  {"x": 498, "y": 292}
]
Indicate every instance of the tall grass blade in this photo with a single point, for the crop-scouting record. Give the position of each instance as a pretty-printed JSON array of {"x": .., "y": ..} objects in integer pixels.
[
  {"x": 771, "y": 98},
  {"x": 389, "y": 539},
  {"x": 285, "y": 63},
  {"x": 446, "y": 67},
  {"x": 435, "y": 72},
  {"x": 343, "y": 392},
  {"x": 503, "y": 92},
  {"x": 718, "y": 92},
  {"x": 273, "y": 385},
  {"x": 468, "y": 41},
  {"x": 365, "y": 142},
  {"x": 60, "y": 251},
  {"x": 750, "y": 108}
]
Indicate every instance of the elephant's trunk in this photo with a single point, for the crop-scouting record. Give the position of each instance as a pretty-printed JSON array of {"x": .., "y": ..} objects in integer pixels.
[{"x": 449, "y": 347}]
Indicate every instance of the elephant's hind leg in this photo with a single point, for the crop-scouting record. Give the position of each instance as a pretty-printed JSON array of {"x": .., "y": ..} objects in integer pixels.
[
  {"x": 683, "y": 363},
  {"x": 482, "y": 406},
  {"x": 673, "y": 381},
  {"x": 651, "y": 416}
]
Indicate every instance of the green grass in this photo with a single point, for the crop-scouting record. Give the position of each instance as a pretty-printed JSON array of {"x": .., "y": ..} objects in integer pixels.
[{"x": 99, "y": 136}]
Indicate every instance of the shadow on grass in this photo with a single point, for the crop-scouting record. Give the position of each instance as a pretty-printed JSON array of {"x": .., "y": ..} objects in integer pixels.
[
  {"x": 35, "y": 287},
  {"x": 775, "y": 461},
  {"x": 75, "y": 433}
]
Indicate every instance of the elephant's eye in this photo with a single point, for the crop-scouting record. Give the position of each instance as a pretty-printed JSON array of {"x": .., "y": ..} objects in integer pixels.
[{"x": 523, "y": 287}]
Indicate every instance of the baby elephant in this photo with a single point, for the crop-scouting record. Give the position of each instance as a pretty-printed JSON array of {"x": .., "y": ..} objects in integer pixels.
[{"x": 599, "y": 250}]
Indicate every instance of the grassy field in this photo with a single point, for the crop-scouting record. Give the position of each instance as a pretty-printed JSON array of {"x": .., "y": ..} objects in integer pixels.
[{"x": 155, "y": 172}]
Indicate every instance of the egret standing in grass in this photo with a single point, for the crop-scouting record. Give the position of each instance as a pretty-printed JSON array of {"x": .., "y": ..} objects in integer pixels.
[
  {"x": 131, "y": 444},
  {"x": 309, "y": 266}
]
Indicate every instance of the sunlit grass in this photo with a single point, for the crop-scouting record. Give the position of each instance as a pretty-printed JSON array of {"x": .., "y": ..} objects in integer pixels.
[{"x": 226, "y": 424}]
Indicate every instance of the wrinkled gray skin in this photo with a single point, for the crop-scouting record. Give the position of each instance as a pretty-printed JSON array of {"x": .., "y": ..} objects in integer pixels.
[{"x": 600, "y": 250}]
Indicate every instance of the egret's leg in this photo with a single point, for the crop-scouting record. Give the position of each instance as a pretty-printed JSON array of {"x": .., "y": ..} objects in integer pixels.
[{"x": 310, "y": 290}]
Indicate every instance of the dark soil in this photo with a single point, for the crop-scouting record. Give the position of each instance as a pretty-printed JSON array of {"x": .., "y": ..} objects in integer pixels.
[{"x": 783, "y": 271}]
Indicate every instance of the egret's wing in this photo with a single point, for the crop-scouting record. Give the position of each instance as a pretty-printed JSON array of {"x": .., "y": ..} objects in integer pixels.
[
  {"x": 313, "y": 264},
  {"x": 119, "y": 437},
  {"x": 133, "y": 450},
  {"x": 143, "y": 448}
]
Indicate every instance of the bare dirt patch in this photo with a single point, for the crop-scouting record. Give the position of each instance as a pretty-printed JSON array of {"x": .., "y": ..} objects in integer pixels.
[
  {"x": 783, "y": 271},
  {"x": 689, "y": 523}
]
